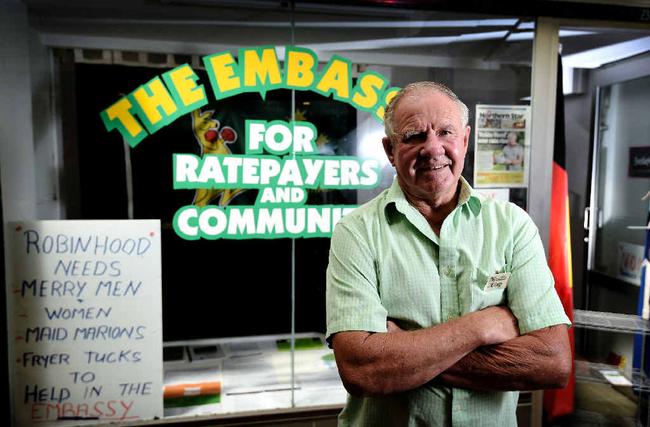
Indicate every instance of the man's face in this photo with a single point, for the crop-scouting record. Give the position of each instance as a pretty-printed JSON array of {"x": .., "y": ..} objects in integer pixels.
[{"x": 429, "y": 148}]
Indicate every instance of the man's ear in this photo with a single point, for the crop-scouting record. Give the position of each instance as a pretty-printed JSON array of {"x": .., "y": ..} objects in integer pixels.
[
  {"x": 468, "y": 130},
  {"x": 388, "y": 149}
]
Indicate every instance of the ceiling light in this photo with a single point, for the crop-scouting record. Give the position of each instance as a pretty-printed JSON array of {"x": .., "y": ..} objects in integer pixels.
[
  {"x": 594, "y": 58},
  {"x": 529, "y": 35},
  {"x": 405, "y": 42}
]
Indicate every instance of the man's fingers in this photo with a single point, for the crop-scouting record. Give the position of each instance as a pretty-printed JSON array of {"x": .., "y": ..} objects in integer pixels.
[
  {"x": 392, "y": 326},
  {"x": 501, "y": 325}
]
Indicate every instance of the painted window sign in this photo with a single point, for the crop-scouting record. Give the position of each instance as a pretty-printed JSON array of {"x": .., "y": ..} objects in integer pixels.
[{"x": 281, "y": 158}]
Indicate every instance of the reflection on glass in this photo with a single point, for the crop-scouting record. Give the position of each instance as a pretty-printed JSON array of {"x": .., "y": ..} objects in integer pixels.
[
  {"x": 622, "y": 183},
  {"x": 227, "y": 303},
  {"x": 484, "y": 61}
]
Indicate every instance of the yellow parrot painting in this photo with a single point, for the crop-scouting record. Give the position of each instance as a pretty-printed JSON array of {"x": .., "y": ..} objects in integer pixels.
[{"x": 213, "y": 139}]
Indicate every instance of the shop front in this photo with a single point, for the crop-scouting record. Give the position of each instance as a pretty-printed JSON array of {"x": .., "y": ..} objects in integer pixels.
[{"x": 167, "y": 232}]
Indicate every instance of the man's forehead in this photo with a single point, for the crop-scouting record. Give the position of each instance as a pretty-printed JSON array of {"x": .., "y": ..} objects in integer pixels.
[
  {"x": 426, "y": 104},
  {"x": 424, "y": 94}
]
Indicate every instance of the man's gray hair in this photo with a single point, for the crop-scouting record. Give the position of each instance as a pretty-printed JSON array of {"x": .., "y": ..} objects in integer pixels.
[{"x": 415, "y": 87}]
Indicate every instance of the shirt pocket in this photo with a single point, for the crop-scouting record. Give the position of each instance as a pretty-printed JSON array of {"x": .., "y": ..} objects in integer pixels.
[{"x": 482, "y": 297}]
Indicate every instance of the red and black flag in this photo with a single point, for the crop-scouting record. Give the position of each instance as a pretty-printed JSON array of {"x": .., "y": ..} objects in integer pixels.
[{"x": 560, "y": 402}]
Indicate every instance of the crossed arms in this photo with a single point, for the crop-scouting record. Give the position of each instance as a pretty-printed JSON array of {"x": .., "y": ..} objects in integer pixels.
[{"x": 481, "y": 351}]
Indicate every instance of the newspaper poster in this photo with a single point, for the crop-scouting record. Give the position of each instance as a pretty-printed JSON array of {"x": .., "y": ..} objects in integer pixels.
[{"x": 502, "y": 150}]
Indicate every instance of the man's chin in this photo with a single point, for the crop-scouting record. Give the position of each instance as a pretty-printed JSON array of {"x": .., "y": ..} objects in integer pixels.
[{"x": 440, "y": 184}]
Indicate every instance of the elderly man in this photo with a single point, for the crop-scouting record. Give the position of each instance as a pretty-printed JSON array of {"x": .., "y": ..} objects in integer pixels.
[{"x": 440, "y": 303}]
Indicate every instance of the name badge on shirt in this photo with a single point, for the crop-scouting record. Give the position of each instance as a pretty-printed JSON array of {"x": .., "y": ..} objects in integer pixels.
[{"x": 497, "y": 281}]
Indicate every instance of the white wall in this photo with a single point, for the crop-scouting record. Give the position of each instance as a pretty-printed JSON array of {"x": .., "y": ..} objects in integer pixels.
[
  {"x": 16, "y": 137},
  {"x": 29, "y": 146},
  {"x": 47, "y": 144}
]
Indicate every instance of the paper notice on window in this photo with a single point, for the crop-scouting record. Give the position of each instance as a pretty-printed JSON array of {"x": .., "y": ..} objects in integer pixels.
[
  {"x": 615, "y": 377},
  {"x": 502, "y": 146},
  {"x": 85, "y": 321}
]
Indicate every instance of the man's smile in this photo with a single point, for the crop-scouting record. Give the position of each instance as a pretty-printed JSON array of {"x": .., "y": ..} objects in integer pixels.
[{"x": 432, "y": 167}]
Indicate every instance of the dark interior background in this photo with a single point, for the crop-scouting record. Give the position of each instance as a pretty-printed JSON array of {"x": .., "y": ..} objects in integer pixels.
[{"x": 214, "y": 288}]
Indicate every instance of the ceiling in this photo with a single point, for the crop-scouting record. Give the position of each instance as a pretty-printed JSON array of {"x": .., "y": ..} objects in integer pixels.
[{"x": 366, "y": 32}]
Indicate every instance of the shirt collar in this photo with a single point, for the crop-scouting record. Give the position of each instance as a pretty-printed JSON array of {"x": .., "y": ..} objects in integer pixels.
[{"x": 395, "y": 199}]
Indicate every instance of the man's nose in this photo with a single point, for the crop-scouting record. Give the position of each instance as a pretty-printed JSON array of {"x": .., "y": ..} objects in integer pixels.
[{"x": 433, "y": 146}]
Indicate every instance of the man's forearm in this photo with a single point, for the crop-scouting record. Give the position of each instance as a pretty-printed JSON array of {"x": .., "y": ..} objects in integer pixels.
[
  {"x": 540, "y": 359},
  {"x": 382, "y": 363}
]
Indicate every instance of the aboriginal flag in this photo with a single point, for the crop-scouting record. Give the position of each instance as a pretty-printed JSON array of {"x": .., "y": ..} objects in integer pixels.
[{"x": 560, "y": 402}]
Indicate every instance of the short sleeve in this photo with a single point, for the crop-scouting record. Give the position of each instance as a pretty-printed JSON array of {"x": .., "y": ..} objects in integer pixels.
[
  {"x": 531, "y": 289},
  {"x": 352, "y": 298}
]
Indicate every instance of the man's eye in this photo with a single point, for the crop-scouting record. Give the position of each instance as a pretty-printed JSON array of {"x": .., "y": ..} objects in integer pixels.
[
  {"x": 414, "y": 137},
  {"x": 444, "y": 132}
]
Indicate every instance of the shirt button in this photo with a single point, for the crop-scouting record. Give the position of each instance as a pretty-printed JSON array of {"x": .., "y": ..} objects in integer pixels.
[{"x": 448, "y": 271}]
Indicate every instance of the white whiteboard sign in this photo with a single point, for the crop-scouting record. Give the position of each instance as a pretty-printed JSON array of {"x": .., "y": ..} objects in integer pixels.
[{"x": 85, "y": 321}]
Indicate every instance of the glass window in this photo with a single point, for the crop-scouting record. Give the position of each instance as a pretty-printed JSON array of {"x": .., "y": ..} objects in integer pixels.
[{"x": 250, "y": 312}]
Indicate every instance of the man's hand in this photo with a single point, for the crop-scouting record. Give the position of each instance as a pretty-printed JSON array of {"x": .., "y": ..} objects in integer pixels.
[
  {"x": 392, "y": 327},
  {"x": 501, "y": 324},
  {"x": 540, "y": 359},
  {"x": 399, "y": 360},
  {"x": 537, "y": 360}
]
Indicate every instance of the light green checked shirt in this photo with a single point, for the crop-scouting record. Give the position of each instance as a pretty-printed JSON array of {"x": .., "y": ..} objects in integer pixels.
[{"x": 386, "y": 262}]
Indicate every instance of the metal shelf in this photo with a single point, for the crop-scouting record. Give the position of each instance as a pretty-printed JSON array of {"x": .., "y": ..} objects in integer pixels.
[
  {"x": 590, "y": 372},
  {"x": 614, "y": 322}
]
